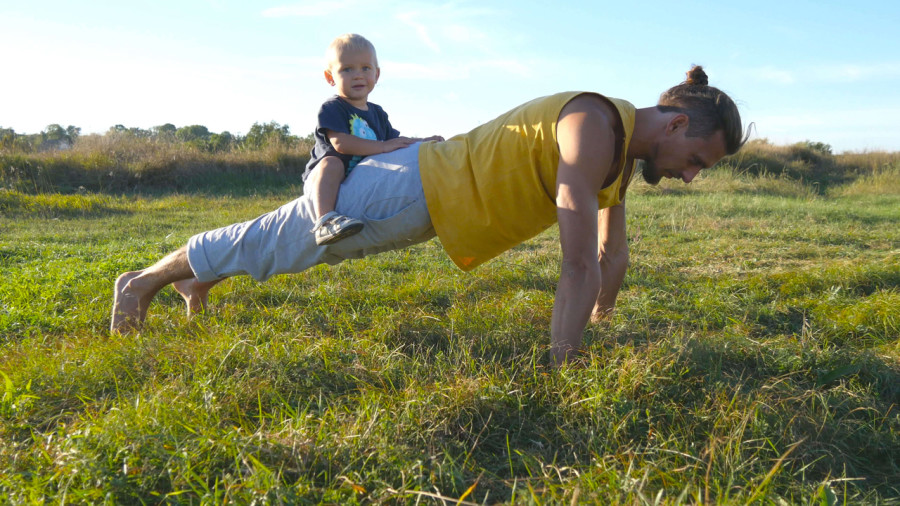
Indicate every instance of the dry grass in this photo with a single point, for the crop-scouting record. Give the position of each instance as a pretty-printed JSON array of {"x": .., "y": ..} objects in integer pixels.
[
  {"x": 808, "y": 164},
  {"x": 120, "y": 163}
]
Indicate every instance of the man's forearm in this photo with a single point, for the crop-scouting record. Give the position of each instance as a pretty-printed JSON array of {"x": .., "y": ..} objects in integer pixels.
[
  {"x": 576, "y": 293},
  {"x": 612, "y": 259},
  {"x": 613, "y": 269}
]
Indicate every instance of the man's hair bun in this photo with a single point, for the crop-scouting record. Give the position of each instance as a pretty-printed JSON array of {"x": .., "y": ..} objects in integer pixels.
[
  {"x": 696, "y": 77},
  {"x": 708, "y": 108}
]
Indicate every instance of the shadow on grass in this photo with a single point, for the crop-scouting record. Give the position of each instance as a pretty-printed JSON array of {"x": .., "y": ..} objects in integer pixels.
[
  {"x": 14, "y": 255},
  {"x": 449, "y": 430},
  {"x": 826, "y": 409},
  {"x": 838, "y": 403}
]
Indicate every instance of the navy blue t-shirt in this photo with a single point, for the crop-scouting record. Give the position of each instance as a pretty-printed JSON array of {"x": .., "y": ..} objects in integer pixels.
[{"x": 339, "y": 116}]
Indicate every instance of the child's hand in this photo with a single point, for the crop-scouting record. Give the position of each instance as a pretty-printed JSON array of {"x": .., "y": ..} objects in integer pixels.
[
  {"x": 436, "y": 138},
  {"x": 396, "y": 143}
]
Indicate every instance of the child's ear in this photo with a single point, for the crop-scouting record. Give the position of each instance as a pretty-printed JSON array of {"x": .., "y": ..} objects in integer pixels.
[
  {"x": 329, "y": 78},
  {"x": 377, "y": 73}
]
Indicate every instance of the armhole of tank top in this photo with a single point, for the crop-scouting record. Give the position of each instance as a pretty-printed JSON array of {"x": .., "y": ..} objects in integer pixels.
[
  {"x": 626, "y": 179},
  {"x": 620, "y": 144}
]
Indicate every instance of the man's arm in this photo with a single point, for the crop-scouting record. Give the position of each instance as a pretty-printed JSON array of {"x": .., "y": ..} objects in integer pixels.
[
  {"x": 586, "y": 138},
  {"x": 613, "y": 251}
]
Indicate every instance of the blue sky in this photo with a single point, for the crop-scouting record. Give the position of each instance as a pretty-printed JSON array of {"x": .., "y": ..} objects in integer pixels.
[{"x": 826, "y": 71}]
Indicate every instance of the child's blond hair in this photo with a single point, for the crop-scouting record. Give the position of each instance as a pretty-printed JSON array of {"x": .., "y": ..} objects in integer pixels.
[{"x": 348, "y": 42}]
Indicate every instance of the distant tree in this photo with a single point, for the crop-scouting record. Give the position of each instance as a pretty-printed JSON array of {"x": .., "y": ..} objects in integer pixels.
[
  {"x": 192, "y": 133},
  {"x": 26, "y": 143},
  {"x": 818, "y": 147},
  {"x": 54, "y": 132},
  {"x": 220, "y": 142},
  {"x": 57, "y": 137},
  {"x": 73, "y": 132},
  {"x": 261, "y": 135},
  {"x": 7, "y": 138},
  {"x": 164, "y": 132},
  {"x": 122, "y": 130},
  {"x": 140, "y": 133}
]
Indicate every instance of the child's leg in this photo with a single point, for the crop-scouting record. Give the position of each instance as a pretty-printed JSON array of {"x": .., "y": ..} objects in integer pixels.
[{"x": 324, "y": 182}]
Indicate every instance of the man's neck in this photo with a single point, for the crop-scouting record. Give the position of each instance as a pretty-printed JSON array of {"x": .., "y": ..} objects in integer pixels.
[{"x": 646, "y": 122}]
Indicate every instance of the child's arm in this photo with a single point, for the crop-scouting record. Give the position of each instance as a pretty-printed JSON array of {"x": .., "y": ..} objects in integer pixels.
[{"x": 349, "y": 144}]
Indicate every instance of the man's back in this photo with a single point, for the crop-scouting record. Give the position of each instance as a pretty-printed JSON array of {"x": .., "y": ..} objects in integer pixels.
[{"x": 494, "y": 187}]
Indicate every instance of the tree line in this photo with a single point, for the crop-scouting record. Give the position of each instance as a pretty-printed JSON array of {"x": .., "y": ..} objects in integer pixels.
[{"x": 57, "y": 137}]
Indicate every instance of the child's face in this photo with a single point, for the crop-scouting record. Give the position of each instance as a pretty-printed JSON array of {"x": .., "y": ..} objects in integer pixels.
[{"x": 354, "y": 74}]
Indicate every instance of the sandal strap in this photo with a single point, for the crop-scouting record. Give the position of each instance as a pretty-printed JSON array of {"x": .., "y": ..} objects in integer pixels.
[{"x": 325, "y": 219}]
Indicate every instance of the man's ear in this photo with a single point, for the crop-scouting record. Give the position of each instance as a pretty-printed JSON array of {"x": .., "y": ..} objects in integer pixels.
[
  {"x": 678, "y": 122},
  {"x": 328, "y": 77}
]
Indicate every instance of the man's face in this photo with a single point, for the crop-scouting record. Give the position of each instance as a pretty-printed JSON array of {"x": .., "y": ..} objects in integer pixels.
[{"x": 677, "y": 156}]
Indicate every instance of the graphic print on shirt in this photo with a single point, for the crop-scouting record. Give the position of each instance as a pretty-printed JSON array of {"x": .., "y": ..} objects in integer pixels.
[{"x": 360, "y": 128}]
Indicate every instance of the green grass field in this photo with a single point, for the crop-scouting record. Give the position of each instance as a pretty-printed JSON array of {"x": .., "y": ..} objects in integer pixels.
[{"x": 754, "y": 358}]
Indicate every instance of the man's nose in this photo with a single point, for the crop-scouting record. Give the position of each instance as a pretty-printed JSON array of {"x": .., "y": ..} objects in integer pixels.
[{"x": 688, "y": 175}]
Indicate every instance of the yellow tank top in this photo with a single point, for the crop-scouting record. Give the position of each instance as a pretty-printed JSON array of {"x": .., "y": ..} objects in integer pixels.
[{"x": 493, "y": 188}]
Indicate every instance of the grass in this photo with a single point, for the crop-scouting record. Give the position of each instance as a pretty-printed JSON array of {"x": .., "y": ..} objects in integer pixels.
[{"x": 754, "y": 358}]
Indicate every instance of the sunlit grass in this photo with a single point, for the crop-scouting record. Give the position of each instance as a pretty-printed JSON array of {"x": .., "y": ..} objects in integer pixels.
[{"x": 754, "y": 357}]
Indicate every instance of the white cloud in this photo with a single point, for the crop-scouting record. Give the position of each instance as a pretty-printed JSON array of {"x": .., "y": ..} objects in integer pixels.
[
  {"x": 464, "y": 34},
  {"x": 772, "y": 74},
  {"x": 309, "y": 10},
  {"x": 828, "y": 73},
  {"x": 421, "y": 30},
  {"x": 450, "y": 72},
  {"x": 402, "y": 70},
  {"x": 839, "y": 118},
  {"x": 513, "y": 67},
  {"x": 855, "y": 73},
  {"x": 451, "y": 22}
]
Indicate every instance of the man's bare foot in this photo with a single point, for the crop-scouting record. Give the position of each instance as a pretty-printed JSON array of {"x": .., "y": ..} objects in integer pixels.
[
  {"x": 128, "y": 309},
  {"x": 195, "y": 294}
]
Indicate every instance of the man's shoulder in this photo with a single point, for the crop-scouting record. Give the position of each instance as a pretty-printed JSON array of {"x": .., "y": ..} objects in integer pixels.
[{"x": 597, "y": 105}]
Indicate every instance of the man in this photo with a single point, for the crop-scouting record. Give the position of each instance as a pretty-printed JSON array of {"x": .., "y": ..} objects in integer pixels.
[{"x": 565, "y": 158}]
